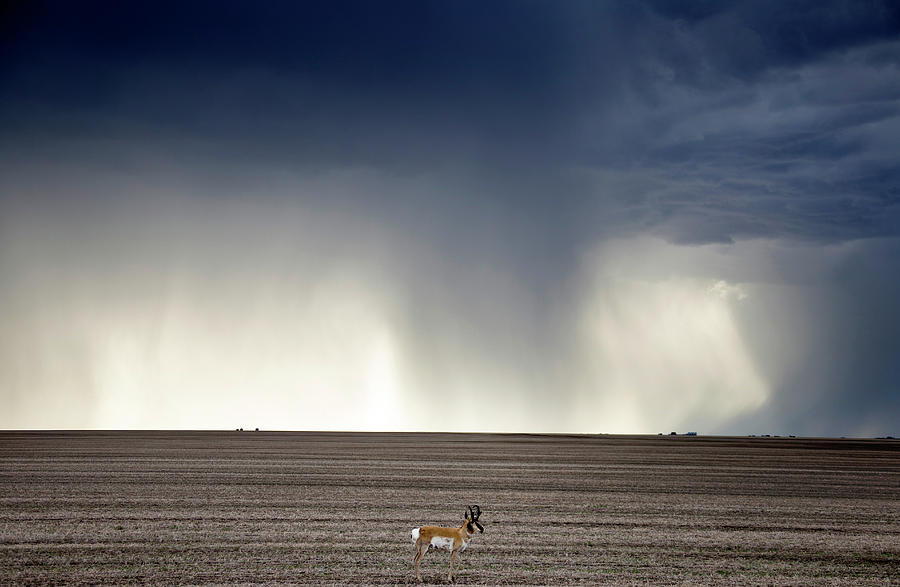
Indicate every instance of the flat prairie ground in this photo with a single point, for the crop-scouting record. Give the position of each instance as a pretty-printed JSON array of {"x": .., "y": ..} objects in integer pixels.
[{"x": 337, "y": 508}]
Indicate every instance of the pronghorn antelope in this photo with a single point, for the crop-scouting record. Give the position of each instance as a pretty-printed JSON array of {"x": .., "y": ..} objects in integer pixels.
[{"x": 452, "y": 539}]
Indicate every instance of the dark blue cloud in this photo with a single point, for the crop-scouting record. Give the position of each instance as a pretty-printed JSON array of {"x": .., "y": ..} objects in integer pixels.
[
  {"x": 749, "y": 119},
  {"x": 744, "y": 39}
]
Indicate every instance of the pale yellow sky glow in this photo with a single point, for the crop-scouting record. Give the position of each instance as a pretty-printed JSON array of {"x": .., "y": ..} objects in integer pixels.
[
  {"x": 663, "y": 353},
  {"x": 359, "y": 340},
  {"x": 329, "y": 362}
]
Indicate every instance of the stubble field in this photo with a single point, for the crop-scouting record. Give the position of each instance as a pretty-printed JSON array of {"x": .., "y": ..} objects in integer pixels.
[{"x": 320, "y": 508}]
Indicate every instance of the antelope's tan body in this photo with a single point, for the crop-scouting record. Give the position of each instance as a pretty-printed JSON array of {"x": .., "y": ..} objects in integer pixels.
[{"x": 454, "y": 540}]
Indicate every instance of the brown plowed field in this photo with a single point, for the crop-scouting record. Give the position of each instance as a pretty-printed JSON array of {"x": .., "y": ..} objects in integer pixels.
[{"x": 319, "y": 508}]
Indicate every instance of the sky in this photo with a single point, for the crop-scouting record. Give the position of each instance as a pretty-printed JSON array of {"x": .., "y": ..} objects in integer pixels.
[{"x": 504, "y": 216}]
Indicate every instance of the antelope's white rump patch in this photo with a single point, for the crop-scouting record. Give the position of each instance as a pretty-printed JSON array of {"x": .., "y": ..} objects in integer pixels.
[{"x": 415, "y": 534}]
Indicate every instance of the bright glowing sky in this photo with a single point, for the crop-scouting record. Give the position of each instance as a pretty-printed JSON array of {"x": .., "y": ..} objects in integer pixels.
[{"x": 467, "y": 216}]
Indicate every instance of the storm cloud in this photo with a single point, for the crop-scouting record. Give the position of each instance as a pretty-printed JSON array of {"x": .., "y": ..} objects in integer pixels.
[{"x": 588, "y": 216}]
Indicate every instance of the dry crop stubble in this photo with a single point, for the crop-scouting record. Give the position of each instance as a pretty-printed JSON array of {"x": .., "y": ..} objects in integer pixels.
[{"x": 268, "y": 507}]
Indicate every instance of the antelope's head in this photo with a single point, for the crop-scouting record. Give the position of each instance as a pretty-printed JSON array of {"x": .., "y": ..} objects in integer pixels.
[{"x": 472, "y": 515}]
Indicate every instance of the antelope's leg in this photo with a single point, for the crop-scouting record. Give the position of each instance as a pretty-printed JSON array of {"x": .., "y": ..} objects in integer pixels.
[
  {"x": 452, "y": 558},
  {"x": 420, "y": 552}
]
